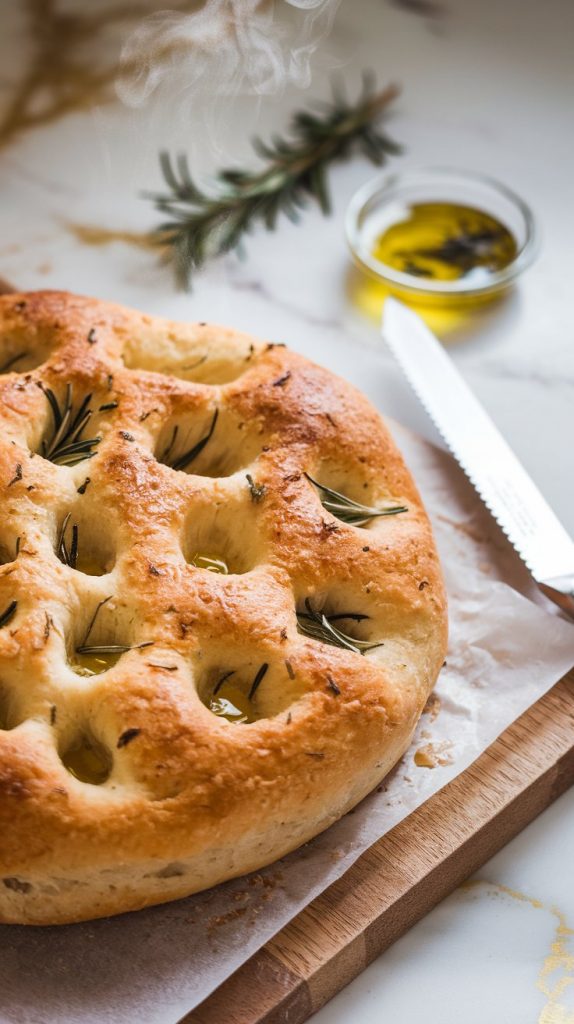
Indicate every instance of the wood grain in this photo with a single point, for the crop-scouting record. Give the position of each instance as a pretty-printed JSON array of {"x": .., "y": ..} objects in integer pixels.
[{"x": 399, "y": 879}]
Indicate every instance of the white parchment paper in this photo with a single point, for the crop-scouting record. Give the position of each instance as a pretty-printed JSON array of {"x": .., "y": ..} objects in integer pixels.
[{"x": 154, "y": 966}]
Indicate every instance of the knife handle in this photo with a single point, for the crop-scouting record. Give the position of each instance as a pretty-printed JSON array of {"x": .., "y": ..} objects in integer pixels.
[{"x": 561, "y": 591}]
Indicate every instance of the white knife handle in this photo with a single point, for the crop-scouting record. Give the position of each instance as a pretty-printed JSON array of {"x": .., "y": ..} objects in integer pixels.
[{"x": 561, "y": 591}]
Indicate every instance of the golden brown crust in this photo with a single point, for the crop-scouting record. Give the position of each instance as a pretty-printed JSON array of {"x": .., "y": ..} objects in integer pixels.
[{"x": 188, "y": 788}]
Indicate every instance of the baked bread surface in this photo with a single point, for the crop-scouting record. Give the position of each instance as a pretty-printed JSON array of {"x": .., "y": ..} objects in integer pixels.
[{"x": 186, "y": 798}]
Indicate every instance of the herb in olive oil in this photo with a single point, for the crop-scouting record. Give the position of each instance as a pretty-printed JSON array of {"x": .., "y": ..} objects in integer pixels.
[{"x": 446, "y": 242}]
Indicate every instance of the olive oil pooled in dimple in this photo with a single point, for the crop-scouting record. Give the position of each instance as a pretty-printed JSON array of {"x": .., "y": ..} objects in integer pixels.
[
  {"x": 94, "y": 664},
  {"x": 232, "y": 704},
  {"x": 446, "y": 242},
  {"x": 90, "y": 565},
  {"x": 87, "y": 761},
  {"x": 210, "y": 562}
]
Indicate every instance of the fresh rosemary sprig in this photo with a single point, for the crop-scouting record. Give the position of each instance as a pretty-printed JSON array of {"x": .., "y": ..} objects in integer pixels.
[
  {"x": 67, "y": 447},
  {"x": 319, "y": 626},
  {"x": 183, "y": 461},
  {"x": 8, "y": 613},
  {"x": 202, "y": 225},
  {"x": 349, "y": 511},
  {"x": 68, "y": 555},
  {"x": 87, "y": 648}
]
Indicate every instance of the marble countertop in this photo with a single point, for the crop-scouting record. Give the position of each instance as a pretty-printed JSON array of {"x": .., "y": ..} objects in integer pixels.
[{"x": 486, "y": 86}]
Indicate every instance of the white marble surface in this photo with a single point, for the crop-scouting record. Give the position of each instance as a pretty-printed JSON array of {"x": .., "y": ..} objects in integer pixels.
[{"x": 485, "y": 85}]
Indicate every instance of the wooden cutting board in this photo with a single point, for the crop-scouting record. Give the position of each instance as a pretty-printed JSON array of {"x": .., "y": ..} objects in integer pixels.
[{"x": 399, "y": 879}]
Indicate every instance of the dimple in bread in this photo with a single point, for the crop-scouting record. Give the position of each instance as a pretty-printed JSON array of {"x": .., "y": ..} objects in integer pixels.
[{"x": 211, "y": 647}]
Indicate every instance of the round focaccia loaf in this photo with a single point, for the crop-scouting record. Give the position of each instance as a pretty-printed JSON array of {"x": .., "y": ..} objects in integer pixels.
[{"x": 206, "y": 655}]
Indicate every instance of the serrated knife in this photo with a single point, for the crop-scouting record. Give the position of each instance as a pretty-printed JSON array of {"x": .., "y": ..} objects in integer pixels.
[{"x": 486, "y": 458}]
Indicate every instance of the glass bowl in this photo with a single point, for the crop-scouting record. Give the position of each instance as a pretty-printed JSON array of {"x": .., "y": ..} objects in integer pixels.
[{"x": 379, "y": 203}]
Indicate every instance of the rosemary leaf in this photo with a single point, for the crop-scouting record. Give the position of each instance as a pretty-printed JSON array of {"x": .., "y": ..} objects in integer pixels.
[
  {"x": 126, "y": 737},
  {"x": 66, "y": 446},
  {"x": 68, "y": 556},
  {"x": 255, "y": 684},
  {"x": 257, "y": 490},
  {"x": 349, "y": 511},
  {"x": 111, "y": 648},
  {"x": 319, "y": 626},
  {"x": 8, "y": 613},
  {"x": 200, "y": 225},
  {"x": 17, "y": 475},
  {"x": 93, "y": 620},
  {"x": 221, "y": 681},
  {"x": 87, "y": 648},
  {"x": 183, "y": 461},
  {"x": 465, "y": 250},
  {"x": 102, "y": 648}
]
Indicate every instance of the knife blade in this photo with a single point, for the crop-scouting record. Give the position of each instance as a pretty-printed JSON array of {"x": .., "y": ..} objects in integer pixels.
[{"x": 488, "y": 461}]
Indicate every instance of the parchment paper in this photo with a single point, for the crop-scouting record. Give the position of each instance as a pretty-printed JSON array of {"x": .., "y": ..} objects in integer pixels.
[{"x": 154, "y": 966}]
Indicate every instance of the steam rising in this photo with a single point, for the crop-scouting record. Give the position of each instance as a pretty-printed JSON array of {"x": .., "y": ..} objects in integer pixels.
[{"x": 225, "y": 47}]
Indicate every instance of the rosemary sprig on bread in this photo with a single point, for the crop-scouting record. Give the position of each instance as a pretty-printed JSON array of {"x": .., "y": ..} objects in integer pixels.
[
  {"x": 319, "y": 626},
  {"x": 184, "y": 460},
  {"x": 66, "y": 445},
  {"x": 348, "y": 510}
]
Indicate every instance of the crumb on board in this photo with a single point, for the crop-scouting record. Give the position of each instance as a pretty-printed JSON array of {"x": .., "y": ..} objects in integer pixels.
[{"x": 433, "y": 755}]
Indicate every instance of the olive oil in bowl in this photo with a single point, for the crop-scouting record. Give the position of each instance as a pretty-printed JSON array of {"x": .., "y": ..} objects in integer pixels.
[
  {"x": 446, "y": 242},
  {"x": 443, "y": 240}
]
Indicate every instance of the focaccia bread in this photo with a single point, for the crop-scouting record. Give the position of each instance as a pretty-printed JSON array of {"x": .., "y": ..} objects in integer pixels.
[{"x": 221, "y": 608}]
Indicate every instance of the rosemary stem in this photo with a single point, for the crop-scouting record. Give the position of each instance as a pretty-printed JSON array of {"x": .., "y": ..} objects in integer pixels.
[{"x": 205, "y": 224}]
